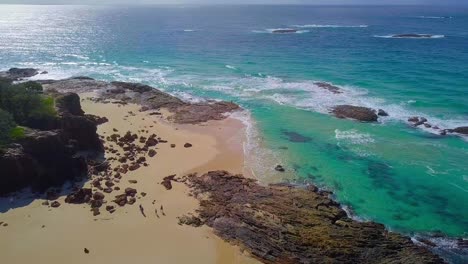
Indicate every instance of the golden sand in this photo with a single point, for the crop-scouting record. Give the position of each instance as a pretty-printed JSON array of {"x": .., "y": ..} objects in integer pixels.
[{"x": 40, "y": 234}]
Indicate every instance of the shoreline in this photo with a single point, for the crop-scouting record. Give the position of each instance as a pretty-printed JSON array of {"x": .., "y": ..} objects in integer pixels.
[
  {"x": 154, "y": 239},
  {"x": 216, "y": 146}
]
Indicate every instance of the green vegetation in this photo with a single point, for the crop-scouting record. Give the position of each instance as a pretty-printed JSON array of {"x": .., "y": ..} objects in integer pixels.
[
  {"x": 7, "y": 124},
  {"x": 22, "y": 104}
]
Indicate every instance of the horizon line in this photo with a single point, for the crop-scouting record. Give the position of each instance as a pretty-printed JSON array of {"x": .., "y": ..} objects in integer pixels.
[{"x": 221, "y": 4}]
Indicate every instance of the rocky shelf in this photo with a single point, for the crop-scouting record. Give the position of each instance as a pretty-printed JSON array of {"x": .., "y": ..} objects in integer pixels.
[{"x": 282, "y": 223}]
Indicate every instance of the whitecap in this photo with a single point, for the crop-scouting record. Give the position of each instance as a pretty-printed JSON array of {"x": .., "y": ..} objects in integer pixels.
[
  {"x": 434, "y": 17},
  {"x": 230, "y": 67},
  {"x": 330, "y": 26},
  {"x": 417, "y": 36},
  {"x": 275, "y": 31}
]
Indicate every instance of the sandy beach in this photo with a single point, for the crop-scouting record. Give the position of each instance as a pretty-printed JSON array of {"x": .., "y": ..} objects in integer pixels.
[{"x": 41, "y": 234}]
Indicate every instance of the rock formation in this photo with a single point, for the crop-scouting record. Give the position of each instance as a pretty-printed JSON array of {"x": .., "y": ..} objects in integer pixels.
[
  {"x": 15, "y": 74},
  {"x": 282, "y": 223},
  {"x": 47, "y": 155},
  {"x": 360, "y": 113},
  {"x": 148, "y": 97}
]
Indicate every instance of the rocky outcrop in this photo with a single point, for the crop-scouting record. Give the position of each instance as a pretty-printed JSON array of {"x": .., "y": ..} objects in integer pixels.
[
  {"x": 42, "y": 159},
  {"x": 360, "y": 113},
  {"x": 15, "y": 74},
  {"x": 148, "y": 97},
  {"x": 282, "y": 223},
  {"x": 460, "y": 130},
  {"x": 68, "y": 103},
  {"x": 49, "y": 156}
]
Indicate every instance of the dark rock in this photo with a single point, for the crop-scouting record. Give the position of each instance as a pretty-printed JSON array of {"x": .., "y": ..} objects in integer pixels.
[
  {"x": 80, "y": 196},
  {"x": 42, "y": 159},
  {"x": 130, "y": 191},
  {"x": 151, "y": 153},
  {"x": 187, "y": 145},
  {"x": 151, "y": 142},
  {"x": 167, "y": 181},
  {"x": 284, "y": 224},
  {"x": 381, "y": 112},
  {"x": 98, "y": 196},
  {"x": 329, "y": 87},
  {"x": 412, "y": 36},
  {"x": 283, "y": 31},
  {"x": 121, "y": 199},
  {"x": 86, "y": 251},
  {"x": 134, "y": 167},
  {"x": 173, "y": 145},
  {"x": 15, "y": 74},
  {"x": 55, "y": 204},
  {"x": 69, "y": 103},
  {"x": 131, "y": 200},
  {"x": 96, "y": 203},
  {"x": 360, "y": 113},
  {"x": 280, "y": 168},
  {"x": 133, "y": 181},
  {"x": 461, "y": 130},
  {"x": 190, "y": 220},
  {"x": 95, "y": 211},
  {"x": 98, "y": 120}
]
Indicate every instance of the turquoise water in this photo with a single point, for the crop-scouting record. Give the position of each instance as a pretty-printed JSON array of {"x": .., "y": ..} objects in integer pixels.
[{"x": 410, "y": 179}]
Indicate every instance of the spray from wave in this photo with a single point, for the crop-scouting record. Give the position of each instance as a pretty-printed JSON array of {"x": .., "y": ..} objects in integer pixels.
[{"x": 330, "y": 26}]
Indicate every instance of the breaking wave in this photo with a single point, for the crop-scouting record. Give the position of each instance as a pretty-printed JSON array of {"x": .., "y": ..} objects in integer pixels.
[{"x": 330, "y": 26}]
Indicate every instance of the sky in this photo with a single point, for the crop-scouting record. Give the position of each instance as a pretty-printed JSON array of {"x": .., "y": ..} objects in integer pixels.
[{"x": 319, "y": 2}]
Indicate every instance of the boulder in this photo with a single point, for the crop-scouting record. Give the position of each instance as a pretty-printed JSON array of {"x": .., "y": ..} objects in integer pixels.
[
  {"x": 360, "y": 113},
  {"x": 80, "y": 196},
  {"x": 381, "y": 112}
]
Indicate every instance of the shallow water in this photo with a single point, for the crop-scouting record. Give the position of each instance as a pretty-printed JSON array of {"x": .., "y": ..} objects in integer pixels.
[{"x": 412, "y": 180}]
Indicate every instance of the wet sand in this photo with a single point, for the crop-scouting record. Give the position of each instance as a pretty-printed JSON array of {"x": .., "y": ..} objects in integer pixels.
[{"x": 40, "y": 234}]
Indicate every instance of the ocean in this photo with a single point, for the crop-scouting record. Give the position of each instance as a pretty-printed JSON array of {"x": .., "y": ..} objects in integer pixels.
[{"x": 410, "y": 179}]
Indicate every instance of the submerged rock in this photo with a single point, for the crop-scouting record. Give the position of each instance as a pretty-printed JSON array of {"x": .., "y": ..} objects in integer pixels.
[
  {"x": 329, "y": 87},
  {"x": 281, "y": 223},
  {"x": 286, "y": 30},
  {"x": 360, "y": 113},
  {"x": 412, "y": 36}
]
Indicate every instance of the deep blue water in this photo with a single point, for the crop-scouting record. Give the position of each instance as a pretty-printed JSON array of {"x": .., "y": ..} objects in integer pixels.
[{"x": 410, "y": 179}]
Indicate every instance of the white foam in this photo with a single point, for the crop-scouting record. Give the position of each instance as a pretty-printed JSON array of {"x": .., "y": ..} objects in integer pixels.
[
  {"x": 230, "y": 67},
  {"x": 435, "y": 17},
  {"x": 395, "y": 36},
  {"x": 258, "y": 159},
  {"x": 353, "y": 136},
  {"x": 272, "y": 31},
  {"x": 189, "y": 30},
  {"x": 330, "y": 26}
]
